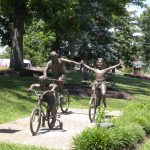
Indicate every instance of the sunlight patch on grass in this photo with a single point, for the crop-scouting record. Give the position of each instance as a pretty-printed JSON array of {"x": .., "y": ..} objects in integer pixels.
[{"x": 10, "y": 146}]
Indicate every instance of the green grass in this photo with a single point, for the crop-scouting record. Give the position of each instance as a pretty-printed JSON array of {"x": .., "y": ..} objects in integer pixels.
[
  {"x": 146, "y": 146},
  {"x": 10, "y": 146},
  {"x": 139, "y": 88},
  {"x": 14, "y": 99}
]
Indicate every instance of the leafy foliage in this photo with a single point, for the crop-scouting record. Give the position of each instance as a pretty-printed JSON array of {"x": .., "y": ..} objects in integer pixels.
[
  {"x": 37, "y": 42},
  {"x": 81, "y": 28},
  {"x": 145, "y": 26},
  {"x": 117, "y": 138}
]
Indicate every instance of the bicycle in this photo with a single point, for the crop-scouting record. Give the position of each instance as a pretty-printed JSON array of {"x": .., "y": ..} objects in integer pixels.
[
  {"x": 39, "y": 115},
  {"x": 63, "y": 97},
  {"x": 94, "y": 104}
]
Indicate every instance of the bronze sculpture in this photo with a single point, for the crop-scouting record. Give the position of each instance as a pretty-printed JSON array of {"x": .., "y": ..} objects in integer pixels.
[
  {"x": 100, "y": 79},
  {"x": 57, "y": 67}
]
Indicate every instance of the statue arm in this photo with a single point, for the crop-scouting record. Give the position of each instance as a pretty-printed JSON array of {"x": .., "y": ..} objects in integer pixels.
[
  {"x": 36, "y": 85},
  {"x": 47, "y": 68},
  {"x": 70, "y": 61},
  {"x": 88, "y": 67},
  {"x": 112, "y": 67}
]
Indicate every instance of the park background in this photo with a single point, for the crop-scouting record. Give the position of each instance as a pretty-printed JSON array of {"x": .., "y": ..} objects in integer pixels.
[{"x": 79, "y": 30}]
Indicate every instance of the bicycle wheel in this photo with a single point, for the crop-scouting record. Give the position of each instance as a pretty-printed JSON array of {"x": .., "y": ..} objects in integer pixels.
[
  {"x": 65, "y": 101},
  {"x": 92, "y": 109},
  {"x": 35, "y": 121}
]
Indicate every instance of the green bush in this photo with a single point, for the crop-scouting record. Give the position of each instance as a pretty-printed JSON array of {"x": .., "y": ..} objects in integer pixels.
[
  {"x": 100, "y": 115},
  {"x": 117, "y": 138},
  {"x": 91, "y": 138},
  {"x": 126, "y": 137},
  {"x": 146, "y": 146},
  {"x": 136, "y": 113}
]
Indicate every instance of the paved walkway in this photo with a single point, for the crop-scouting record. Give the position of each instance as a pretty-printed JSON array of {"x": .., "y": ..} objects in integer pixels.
[{"x": 73, "y": 122}]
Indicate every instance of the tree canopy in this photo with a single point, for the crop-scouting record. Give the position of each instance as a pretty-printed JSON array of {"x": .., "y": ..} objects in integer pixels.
[
  {"x": 145, "y": 26},
  {"x": 77, "y": 29}
]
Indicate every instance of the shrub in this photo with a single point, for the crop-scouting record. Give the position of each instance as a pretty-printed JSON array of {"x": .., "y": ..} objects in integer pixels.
[
  {"x": 146, "y": 146},
  {"x": 91, "y": 138},
  {"x": 135, "y": 113},
  {"x": 117, "y": 138},
  {"x": 100, "y": 115},
  {"x": 126, "y": 137}
]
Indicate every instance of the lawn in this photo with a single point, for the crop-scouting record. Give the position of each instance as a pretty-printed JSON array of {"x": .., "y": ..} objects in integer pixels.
[
  {"x": 15, "y": 102},
  {"x": 9, "y": 146}
]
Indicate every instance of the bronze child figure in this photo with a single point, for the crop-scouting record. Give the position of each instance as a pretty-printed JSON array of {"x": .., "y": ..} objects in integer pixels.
[{"x": 100, "y": 79}]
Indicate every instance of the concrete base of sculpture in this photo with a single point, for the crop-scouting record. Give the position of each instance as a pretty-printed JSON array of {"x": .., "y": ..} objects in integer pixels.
[{"x": 105, "y": 125}]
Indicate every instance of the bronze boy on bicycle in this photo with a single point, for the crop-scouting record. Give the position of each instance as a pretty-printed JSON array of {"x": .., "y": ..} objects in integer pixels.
[{"x": 57, "y": 67}]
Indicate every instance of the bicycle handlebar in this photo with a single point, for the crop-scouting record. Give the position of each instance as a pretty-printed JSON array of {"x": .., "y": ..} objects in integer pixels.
[
  {"x": 37, "y": 93},
  {"x": 84, "y": 81},
  {"x": 46, "y": 79},
  {"x": 90, "y": 82}
]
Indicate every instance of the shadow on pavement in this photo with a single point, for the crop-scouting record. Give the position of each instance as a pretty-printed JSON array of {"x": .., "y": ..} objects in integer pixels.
[
  {"x": 8, "y": 131},
  {"x": 71, "y": 112},
  {"x": 45, "y": 130}
]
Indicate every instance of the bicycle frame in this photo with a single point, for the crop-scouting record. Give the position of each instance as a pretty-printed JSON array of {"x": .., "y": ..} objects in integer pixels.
[{"x": 93, "y": 101}]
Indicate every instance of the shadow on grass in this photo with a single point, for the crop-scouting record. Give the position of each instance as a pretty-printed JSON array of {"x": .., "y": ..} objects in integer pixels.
[
  {"x": 17, "y": 86},
  {"x": 133, "y": 85}
]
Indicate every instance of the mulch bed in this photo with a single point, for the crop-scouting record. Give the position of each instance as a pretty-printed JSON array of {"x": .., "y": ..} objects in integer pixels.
[
  {"x": 83, "y": 91},
  {"x": 24, "y": 72},
  {"x": 138, "y": 76}
]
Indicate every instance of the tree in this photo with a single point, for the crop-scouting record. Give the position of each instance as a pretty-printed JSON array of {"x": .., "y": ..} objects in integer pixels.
[
  {"x": 145, "y": 27},
  {"x": 86, "y": 21},
  {"x": 15, "y": 12},
  {"x": 18, "y": 12},
  {"x": 38, "y": 40},
  {"x": 94, "y": 39}
]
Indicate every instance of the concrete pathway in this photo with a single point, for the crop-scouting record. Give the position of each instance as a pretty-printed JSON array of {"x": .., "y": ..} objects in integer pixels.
[{"x": 73, "y": 123}]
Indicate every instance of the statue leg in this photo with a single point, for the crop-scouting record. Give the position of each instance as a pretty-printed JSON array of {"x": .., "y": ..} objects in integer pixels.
[
  {"x": 103, "y": 92},
  {"x": 99, "y": 95},
  {"x": 54, "y": 87},
  {"x": 54, "y": 115},
  {"x": 61, "y": 84}
]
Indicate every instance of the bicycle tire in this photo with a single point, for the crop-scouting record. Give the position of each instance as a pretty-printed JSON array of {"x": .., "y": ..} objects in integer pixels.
[
  {"x": 92, "y": 109},
  {"x": 61, "y": 126},
  {"x": 65, "y": 102},
  {"x": 35, "y": 113}
]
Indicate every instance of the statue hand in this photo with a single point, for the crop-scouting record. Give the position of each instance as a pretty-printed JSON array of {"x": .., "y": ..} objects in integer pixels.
[
  {"x": 29, "y": 90},
  {"x": 82, "y": 62},
  {"x": 42, "y": 77},
  {"x": 120, "y": 62}
]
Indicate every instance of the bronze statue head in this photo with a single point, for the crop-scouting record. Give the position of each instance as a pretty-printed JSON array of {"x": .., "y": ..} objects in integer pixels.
[
  {"x": 99, "y": 62},
  {"x": 53, "y": 56}
]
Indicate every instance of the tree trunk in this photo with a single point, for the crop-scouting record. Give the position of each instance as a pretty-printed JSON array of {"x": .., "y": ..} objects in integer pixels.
[{"x": 16, "y": 61}]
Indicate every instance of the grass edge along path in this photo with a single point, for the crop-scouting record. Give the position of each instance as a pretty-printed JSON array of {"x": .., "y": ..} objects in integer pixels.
[{"x": 12, "y": 146}]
